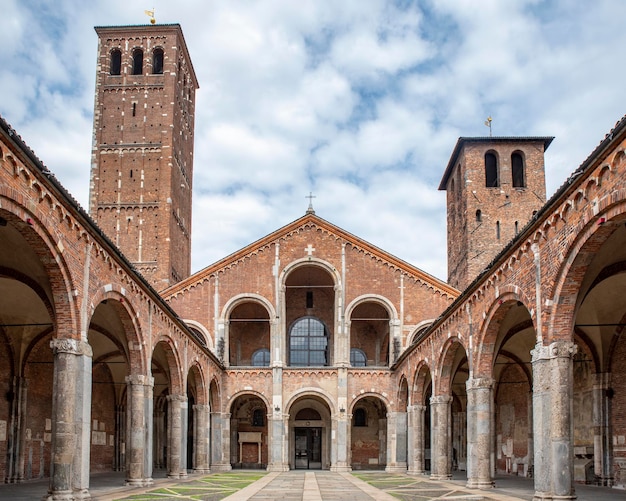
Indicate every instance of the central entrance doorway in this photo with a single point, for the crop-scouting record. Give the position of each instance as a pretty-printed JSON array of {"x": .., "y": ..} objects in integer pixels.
[{"x": 308, "y": 448}]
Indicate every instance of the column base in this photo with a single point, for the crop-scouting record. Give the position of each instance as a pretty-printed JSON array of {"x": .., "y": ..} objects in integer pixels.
[
  {"x": 59, "y": 495},
  {"x": 341, "y": 468},
  {"x": 416, "y": 472},
  {"x": 543, "y": 496},
  {"x": 202, "y": 471},
  {"x": 67, "y": 495},
  {"x": 139, "y": 482},
  {"x": 396, "y": 468},
  {"x": 221, "y": 467},
  {"x": 483, "y": 484},
  {"x": 441, "y": 477},
  {"x": 279, "y": 467}
]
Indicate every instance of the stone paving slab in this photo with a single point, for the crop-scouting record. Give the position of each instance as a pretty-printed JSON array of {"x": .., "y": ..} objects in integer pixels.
[{"x": 304, "y": 486}]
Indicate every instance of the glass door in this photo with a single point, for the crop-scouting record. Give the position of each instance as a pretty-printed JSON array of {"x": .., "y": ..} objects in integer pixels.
[{"x": 308, "y": 448}]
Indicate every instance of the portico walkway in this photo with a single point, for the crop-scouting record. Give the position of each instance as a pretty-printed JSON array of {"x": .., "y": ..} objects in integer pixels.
[{"x": 305, "y": 486}]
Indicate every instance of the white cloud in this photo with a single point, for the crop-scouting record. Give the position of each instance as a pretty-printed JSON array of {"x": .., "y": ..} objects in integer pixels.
[{"x": 359, "y": 102}]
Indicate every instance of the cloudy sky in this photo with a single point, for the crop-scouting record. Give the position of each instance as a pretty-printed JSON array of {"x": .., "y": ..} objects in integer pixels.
[{"x": 358, "y": 101}]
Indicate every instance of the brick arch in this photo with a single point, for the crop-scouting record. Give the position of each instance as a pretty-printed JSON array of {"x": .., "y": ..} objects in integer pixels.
[
  {"x": 372, "y": 298},
  {"x": 420, "y": 328},
  {"x": 571, "y": 273},
  {"x": 128, "y": 316},
  {"x": 239, "y": 299},
  {"x": 200, "y": 387},
  {"x": 243, "y": 393},
  {"x": 215, "y": 395},
  {"x": 202, "y": 330},
  {"x": 311, "y": 391},
  {"x": 488, "y": 332},
  {"x": 37, "y": 237},
  {"x": 402, "y": 398},
  {"x": 173, "y": 364},
  {"x": 423, "y": 374},
  {"x": 444, "y": 366},
  {"x": 369, "y": 394},
  {"x": 310, "y": 261}
]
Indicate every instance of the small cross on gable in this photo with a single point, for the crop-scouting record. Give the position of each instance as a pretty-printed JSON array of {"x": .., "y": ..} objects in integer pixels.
[{"x": 309, "y": 249}]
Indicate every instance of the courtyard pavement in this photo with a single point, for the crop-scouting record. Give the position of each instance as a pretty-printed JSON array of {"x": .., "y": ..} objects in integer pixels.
[{"x": 300, "y": 485}]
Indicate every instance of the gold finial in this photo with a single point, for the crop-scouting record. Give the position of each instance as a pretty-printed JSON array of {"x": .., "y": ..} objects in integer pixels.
[
  {"x": 488, "y": 124},
  {"x": 151, "y": 14}
]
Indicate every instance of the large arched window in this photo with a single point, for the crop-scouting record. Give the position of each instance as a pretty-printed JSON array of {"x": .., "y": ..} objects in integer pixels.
[
  {"x": 357, "y": 358},
  {"x": 116, "y": 62},
  {"x": 261, "y": 358},
  {"x": 308, "y": 343},
  {"x": 157, "y": 61},
  {"x": 137, "y": 62},
  {"x": 491, "y": 170},
  {"x": 517, "y": 170}
]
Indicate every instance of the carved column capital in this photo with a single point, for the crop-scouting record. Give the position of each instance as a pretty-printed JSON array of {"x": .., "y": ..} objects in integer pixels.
[
  {"x": 176, "y": 398},
  {"x": 440, "y": 399},
  {"x": 140, "y": 380},
  {"x": 484, "y": 383},
  {"x": 71, "y": 346},
  {"x": 557, "y": 349}
]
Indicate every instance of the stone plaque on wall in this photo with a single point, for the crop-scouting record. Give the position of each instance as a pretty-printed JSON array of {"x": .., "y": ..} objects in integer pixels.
[{"x": 98, "y": 438}]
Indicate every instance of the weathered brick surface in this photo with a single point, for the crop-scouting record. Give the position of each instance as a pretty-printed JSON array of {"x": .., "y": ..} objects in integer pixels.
[
  {"x": 142, "y": 158},
  {"x": 473, "y": 241},
  {"x": 535, "y": 293}
]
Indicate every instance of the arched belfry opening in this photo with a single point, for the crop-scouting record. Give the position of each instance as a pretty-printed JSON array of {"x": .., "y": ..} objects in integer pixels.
[{"x": 310, "y": 316}]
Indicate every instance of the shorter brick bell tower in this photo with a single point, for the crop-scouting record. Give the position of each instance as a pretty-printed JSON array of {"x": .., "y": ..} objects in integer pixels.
[{"x": 494, "y": 187}]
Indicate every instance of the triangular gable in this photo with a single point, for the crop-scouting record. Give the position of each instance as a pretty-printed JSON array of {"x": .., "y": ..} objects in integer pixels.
[{"x": 308, "y": 220}]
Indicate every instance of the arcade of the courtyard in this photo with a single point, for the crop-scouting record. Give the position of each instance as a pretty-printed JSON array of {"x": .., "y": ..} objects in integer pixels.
[{"x": 524, "y": 373}]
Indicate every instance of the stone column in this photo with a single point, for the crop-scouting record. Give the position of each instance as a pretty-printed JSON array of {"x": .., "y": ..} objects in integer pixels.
[
  {"x": 531, "y": 438},
  {"x": 139, "y": 430},
  {"x": 396, "y": 442},
  {"x": 201, "y": 439},
  {"x": 71, "y": 415},
  {"x": 220, "y": 442},
  {"x": 160, "y": 437},
  {"x": 602, "y": 436},
  {"x": 119, "y": 461},
  {"x": 552, "y": 420},
  {"x": 441, "y": 462},
  {"x": 277, "y": 456},
  {"x": 479, "y": 419},
  {"x": 16, "y": 431},
  {"x": 341, "y": 425},
  {"x": 176, "y": 438},
  {"x": 417, "y": 445}
]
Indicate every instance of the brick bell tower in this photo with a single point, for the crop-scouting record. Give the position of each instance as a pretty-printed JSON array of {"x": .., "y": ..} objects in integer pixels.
[
  {"x": 494, "y": 187},
  {"x": 142, "y": 155}
]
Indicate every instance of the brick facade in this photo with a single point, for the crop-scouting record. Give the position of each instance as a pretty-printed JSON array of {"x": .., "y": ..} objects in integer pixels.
[
  {"x": 142, "y": 158},
  {"x": 523, "y": 364}
]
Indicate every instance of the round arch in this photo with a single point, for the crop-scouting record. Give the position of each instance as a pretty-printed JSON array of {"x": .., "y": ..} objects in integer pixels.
[
  {"x": 124, "y": 307},
  {"x": 310, "y": 261},
  {"x": 202, "y": 331}
]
